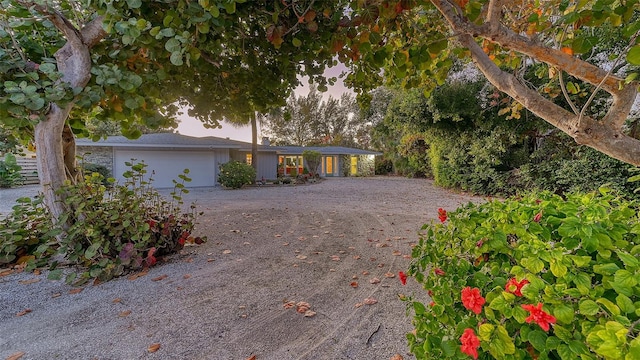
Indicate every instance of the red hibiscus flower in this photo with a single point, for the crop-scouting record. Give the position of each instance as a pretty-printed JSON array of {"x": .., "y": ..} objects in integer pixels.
[
  {"x": 470, "y": 343},
  {"x": 442, "y": 214},
  {"x": 539, "y": 316},
  {"x": 537, "y": 217},
  {"x": 472, "y": 300},
  {"x": 514, "y": 287},
  {"x": 439, "y": 272},
  {"x": 403, "y": 278}
]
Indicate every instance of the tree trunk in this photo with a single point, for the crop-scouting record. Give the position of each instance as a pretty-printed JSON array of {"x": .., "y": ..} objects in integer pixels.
[
  {"x": 55, "y": 143},
  {"x": 605, "y": 135},
  {"x": 254, "y": 143}
]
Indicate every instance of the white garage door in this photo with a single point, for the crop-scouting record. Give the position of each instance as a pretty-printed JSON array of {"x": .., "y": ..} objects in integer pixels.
[{"x": 167, "y": 165}]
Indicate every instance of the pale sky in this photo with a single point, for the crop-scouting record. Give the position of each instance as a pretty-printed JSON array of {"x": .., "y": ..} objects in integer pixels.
[{"x": 192, "y": 127}]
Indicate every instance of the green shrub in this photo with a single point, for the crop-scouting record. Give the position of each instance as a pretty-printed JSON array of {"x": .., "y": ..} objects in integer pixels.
[
  {"x": 27, "y": 234},
  {"x": 235, "y": 174},
  {"x": 89, "y": 168},
  {"x": 584, "y": 170},
  {"x": 113, "y": 230},
  {"x": 572, "y": 262},
  {"x": 9, "y": 171}
]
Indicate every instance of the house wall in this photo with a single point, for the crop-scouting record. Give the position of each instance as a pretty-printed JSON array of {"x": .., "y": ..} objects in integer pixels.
[
  {"x": 101, "y": 155},
  {"x": 267, "y": 163}
]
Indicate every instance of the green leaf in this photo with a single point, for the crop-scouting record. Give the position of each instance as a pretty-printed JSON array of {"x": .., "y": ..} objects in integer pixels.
[
  {"x": 296, "y": 42},
  {"x": 588, "y": 307},
  {"x": 92, "y": 250},
  {"x": 634, "y": 350},
  {"x": 173, "y": 45},
  {"x": 538, "y": 339},
  {"x": 605, "y": 269},
  {"x": 176, "y": 58},
  {"x": 564, "y": 313},
  {"x": 485, "y": 331},
  {"x": 558, "y": 269},
  {"x": 55, "y": 274},
  {"x": 565, "y": 353},
  {"x": 134, "y": 4},
  {"x": 613, "y": 308},
  {"x": 633, "y": 56},
  {"x": 625, "y": 304}
]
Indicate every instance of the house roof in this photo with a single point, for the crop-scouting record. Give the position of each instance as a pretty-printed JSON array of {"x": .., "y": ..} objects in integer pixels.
[
  {"x": 174, "y": 140},
  {"x": 169, "y": 140}
]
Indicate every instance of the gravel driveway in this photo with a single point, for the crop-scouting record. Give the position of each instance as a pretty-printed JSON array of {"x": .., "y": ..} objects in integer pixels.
[{"x": 336, "y": 245}]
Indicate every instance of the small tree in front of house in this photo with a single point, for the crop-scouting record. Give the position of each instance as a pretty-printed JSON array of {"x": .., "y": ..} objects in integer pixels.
[{"x": 313, "y": 159}]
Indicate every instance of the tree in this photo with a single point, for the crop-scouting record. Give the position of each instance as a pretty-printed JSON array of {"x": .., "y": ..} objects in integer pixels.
[
  {"x": 136, "y": 62},
  {"x": 415, "y": 41},
  {"x": 310, "y": 120}
]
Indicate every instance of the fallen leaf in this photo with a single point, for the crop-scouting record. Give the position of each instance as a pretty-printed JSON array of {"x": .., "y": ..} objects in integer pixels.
[
  {"x": 301, "y": 257},
  {"x": 406, "y": 256},
  {"x": 335, "y": 258},
  {"x": 124, "y": 313},
  {"x": 116, "y": 300},
  {"x": 370, "y": 301},
  {"x": 56, "y": 295},
  {"x": 24, "y": 312},
  {"x": 397, "y": 253},
  {"x": 309, "y": 313},
  {"x": 381, "y": 245},
  {"x": 302, "y": 238},
  {"x": 30, "y": 281},
  {"x": 357, "y": 305},
  {"x": 246, "y": 243},
  {"x": 278, "y": 235},
  {"x": 210, "y": 260},
  {"x": 36, "y": 272},
  {"x": 354, "y": 277},
  {"x": 137, "y": 275},
  {"x": 354, "y": 284},
  {"x": 332, "y": 270},
  {"x": 6, "y": 272},
  {"x": 380, "y": 265},
  {"x": 253, "y": 357},
  {"x": 186, "y": 276},
  {"x": 16, "y": 356},
  {"x": 389, "y": 275},
  {"x": 76, "y": 291},
  {"x": 365, "y": 272},
  {"x": 295, "y": 265},
  {"x": 356, "y": 257},
  {"x": 153, "y": 348},
  {"x": 227, "y": 252},
  {"x": 285, "y": 244},
  {"x": 375, "y": 280},
  {"x": 159, "y": 278},
  {"x": 397, "y": 357},
  {"x": 289, "y": 305}
]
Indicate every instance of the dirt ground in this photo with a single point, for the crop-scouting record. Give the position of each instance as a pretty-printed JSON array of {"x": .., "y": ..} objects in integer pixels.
[{"x": 334, "y": 245}]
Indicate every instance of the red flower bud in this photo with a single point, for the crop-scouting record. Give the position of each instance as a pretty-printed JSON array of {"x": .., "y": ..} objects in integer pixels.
[
  {"x": 537, "y": 217},
  {"x": 439, "y": 272},
  {"x": 403, "y": 278}
]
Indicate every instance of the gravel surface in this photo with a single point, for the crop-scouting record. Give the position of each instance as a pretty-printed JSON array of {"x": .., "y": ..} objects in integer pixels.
[{"x": 328, "y": 244}]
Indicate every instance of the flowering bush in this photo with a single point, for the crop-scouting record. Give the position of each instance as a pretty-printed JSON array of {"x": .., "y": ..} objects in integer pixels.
[{"x": 539, "y": 277}]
